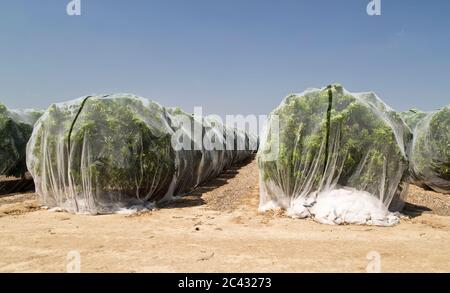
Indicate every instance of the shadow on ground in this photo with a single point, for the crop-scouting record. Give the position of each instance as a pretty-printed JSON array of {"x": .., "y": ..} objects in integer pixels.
[
  {"x": 194, "y": 198},
  {"x": 11, "y": 186},
  {"x": 414, "y": 211}
]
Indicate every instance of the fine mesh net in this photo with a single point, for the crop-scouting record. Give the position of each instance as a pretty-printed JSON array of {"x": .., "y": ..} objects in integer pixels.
[
  {"x": 336, "y": 156},
  {"x": 104, "y": 154},
  {"x": 15, "y": 130},
  {"x": 430, "y": 151}
]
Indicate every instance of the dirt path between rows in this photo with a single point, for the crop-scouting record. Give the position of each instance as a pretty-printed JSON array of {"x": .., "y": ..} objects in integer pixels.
[{"x": 217, "y": 229}]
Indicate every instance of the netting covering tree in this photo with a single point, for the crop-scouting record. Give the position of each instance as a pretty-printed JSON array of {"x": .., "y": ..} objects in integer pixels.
[
  {"x": 15, "y": 130},
  {"x": 102, "y": 154},
  {"x": 412, "y": 117},
  {"x": 430, "y": 151},
  {"x": 335, "y": 156}
]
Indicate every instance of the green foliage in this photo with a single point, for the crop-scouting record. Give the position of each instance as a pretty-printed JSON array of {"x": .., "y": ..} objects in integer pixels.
[
  {"x": 431, "y": 151},
  {"x": 412, "y": 117},
  {"x": 120, "y": 154},
  {"x": 364, "y": 148},
  {"x": 14, "y": 135},
  {"x": 117, "y": 145}
]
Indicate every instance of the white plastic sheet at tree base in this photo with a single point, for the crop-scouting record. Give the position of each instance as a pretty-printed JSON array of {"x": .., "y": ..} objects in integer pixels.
[
  {"x": 108, "y": 154},
  {"x": 337, "y": 207},
  {"x": 341, "y": 158}
]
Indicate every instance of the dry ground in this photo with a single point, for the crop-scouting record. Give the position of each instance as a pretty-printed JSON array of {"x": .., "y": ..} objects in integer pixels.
[{"x": 218, "y": 229}]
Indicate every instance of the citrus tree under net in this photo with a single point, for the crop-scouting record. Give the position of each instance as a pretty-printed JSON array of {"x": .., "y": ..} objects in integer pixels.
[
  {"x": 430, "y": 151},
  {"x": 335, "y": 156},
  {"x": 413, "y": 117},
  {"x": 15, "y": 130}
]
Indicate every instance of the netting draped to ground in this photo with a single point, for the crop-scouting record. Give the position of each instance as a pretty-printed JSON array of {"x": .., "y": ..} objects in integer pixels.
[
  {"x": 341, "y": 157},
  {"x": 102, "y": 154}
]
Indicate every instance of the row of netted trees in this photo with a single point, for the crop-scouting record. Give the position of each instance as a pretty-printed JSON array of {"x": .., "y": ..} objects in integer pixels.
[
  {"x": 102, "y": 154},
  {"x": 329, "y": 151}
]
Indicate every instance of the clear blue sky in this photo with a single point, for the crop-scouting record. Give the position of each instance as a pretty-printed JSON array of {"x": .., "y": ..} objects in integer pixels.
[{"x": 230, "y": 56}]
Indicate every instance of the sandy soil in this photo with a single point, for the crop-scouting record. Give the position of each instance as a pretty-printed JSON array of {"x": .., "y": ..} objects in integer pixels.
[{"x": 218, "y": 229}]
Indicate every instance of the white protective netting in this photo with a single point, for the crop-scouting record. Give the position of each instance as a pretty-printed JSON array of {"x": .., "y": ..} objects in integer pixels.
[
  {"x": 15, "y": 130},
  {"x": 430, "y": 151},
  {"x": 335, "y": 156},
  {"x": 106, "y": 154}
]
